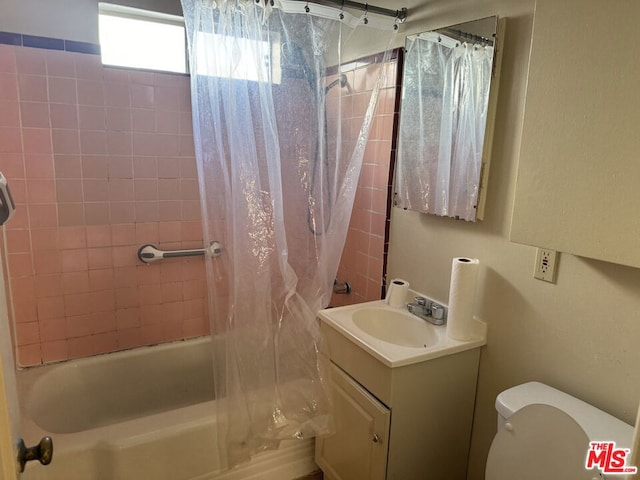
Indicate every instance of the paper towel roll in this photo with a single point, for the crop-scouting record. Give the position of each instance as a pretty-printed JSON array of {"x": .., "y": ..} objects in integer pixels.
[
  {"x": 397, "y": 294},
  {"x": 464, "y": 272}
]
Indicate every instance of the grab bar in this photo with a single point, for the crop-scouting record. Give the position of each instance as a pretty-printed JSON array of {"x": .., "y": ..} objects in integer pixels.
[{"x": 149, "y": 253}]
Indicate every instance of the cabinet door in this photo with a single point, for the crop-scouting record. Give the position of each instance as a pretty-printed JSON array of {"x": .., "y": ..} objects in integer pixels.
[
  {"x": 358, "y": 449},
  {"x": 577, "y": 188}
]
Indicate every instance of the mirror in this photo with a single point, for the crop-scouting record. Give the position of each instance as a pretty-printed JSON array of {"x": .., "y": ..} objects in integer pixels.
[{"x": 446, "y": 118}]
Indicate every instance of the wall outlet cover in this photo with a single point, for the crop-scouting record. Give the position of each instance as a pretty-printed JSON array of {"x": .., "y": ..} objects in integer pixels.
[{"x": 545, "y": 266}]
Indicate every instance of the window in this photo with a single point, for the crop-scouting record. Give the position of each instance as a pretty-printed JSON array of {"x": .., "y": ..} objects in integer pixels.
[
  {"x": 130, "y": 37},
  {"x": 239, "y": 58}
]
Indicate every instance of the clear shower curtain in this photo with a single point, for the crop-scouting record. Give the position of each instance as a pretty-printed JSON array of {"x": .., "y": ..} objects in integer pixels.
[
  {"x": 279, "y": 149},
  {"x": 444, "y": 118}
]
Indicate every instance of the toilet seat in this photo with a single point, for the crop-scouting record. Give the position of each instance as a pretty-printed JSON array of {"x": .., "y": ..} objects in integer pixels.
[{"x": 539, "y": 441}]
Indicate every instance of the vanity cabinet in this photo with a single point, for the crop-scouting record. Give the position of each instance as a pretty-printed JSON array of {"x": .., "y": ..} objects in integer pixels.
[
  {"x": 410, "y": 422},
  {"x": 358, "y": 449}
]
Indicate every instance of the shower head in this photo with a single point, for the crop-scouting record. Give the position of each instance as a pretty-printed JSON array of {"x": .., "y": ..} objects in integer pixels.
[{"x": 342, "y": 80}]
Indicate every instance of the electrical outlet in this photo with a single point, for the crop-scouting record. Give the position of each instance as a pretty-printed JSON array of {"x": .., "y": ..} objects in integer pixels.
[{"x": 545, "y": 267}]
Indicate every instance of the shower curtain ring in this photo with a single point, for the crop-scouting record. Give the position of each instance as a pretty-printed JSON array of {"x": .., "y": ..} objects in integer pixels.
[
  {"x": 365, "y": 20},
  {"x": 306, "y": 8},
  {"x": 341, "y": 15}
]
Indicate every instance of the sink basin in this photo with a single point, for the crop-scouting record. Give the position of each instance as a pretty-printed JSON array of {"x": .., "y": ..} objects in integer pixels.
[
  {"x": 394, "y": 326},
  {"x": 394, "y": 336}
]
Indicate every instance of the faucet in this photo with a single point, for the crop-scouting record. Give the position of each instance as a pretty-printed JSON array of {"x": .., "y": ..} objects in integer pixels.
[{"x": 427, "y": 310}]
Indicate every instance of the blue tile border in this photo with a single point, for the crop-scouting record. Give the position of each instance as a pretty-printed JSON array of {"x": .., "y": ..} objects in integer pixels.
[
  {"x": 10, "y": 38},
  {"x": 81, "y": 47},
  {"x": 42, "y": 42},
  {"x": 34, "y": 41}
]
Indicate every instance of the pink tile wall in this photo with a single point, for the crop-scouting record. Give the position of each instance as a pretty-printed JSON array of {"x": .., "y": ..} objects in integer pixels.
[
  {"x": 363, "y": 257},
  {"x": 100, "y": 161}
]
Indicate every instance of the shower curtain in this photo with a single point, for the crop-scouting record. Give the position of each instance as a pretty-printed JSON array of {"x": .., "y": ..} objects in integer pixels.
[
  {"x": 446, "y": 84},
  {"x": 279, "y": 146}
]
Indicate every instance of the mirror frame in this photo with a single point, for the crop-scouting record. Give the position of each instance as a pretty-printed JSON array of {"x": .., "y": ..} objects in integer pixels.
[{"x": 490, "y": 119}]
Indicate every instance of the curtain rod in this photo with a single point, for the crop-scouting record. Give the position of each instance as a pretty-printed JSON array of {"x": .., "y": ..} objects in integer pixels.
[
  {"x": 400, "y": 14},
  {"x": 463, "y": 36}
]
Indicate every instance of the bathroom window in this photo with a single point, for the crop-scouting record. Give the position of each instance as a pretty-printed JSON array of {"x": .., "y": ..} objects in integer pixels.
[
  {"x": 130, "y": 37},
  {"x": 256, "y": 60}
]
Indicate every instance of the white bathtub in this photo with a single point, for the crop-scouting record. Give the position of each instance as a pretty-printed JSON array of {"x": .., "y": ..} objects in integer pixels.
[{"x": 147, "y": 413}]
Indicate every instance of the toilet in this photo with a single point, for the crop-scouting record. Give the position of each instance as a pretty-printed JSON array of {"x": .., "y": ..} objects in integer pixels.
[{"x": 545, "y": 433}]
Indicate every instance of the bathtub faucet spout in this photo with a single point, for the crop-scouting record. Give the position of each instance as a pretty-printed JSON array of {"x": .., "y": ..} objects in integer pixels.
[{"x": 341, "y": 288}]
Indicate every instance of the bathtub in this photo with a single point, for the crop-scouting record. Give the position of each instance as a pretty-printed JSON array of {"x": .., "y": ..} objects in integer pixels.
[{"x": 140, "y": 414}]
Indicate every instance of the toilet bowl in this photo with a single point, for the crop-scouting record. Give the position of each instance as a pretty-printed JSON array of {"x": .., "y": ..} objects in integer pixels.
[{"x": 545, "y": 433}]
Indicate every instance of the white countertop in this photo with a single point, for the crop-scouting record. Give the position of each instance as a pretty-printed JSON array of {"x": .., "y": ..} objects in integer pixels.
[{"x": 393, "y": 355}]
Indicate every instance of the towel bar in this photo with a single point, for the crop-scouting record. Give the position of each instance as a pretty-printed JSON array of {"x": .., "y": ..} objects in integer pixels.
[{"x": 149, "y": 253}]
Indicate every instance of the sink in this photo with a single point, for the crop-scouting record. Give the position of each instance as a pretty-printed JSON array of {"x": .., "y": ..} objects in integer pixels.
[
  {"x": 394, "y": 336},
  {"x": 395, "y": 326}
]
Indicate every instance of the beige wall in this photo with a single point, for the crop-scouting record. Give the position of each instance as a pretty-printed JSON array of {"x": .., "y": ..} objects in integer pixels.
[
  {"x": 579, "y": 335},
  {"x": 9, "y": 410},
  {"x": 67, "y": 19}
]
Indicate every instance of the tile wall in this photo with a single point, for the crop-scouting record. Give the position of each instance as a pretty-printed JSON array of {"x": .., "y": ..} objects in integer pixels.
[{"x": 100, "y": 161}]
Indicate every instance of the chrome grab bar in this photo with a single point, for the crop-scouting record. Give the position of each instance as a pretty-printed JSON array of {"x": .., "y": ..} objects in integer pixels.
[{"x": 149, "y": 253}]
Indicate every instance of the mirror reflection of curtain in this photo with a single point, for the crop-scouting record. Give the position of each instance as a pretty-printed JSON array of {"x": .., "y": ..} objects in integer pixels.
[
  {"x": 444, "y": 113},
  {"x": 277, "y": 190}
]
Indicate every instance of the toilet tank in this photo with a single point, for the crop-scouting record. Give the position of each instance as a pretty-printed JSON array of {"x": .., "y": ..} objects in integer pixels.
[{"x": 598, "y": 425}]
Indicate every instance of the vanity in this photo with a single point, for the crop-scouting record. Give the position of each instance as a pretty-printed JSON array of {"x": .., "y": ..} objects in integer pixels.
[{"x": 403, "y": 395}]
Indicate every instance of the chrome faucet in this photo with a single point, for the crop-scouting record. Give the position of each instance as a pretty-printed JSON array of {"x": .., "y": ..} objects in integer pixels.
[{"x": 427, "y": 310}]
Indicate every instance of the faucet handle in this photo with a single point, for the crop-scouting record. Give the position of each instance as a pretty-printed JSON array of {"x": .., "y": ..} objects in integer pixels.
[
  {"x": 421, "y": 301},
  {"x": 437, "y": 311}
]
